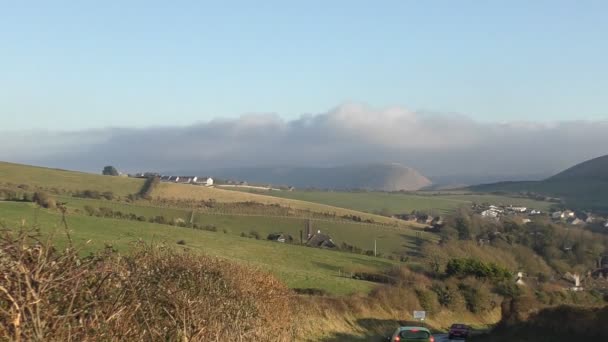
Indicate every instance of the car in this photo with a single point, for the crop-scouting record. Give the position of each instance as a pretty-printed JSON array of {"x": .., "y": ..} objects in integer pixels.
[
  {"x": 412, "y": 334},
  {"x": 459, "y": 330}
]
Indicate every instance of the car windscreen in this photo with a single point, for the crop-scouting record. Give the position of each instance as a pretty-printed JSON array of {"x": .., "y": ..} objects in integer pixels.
[
  {"x": 414, "y": 334},
  {"x": 459, "y": 326}
]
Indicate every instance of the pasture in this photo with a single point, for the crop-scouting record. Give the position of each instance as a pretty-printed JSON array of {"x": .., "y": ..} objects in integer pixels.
[
  {"x": 67, "y": 181},
  {"x": 389, "y": 240},
  {"x": 297, "y": 266},
  {"x": 398, "y": 203}
]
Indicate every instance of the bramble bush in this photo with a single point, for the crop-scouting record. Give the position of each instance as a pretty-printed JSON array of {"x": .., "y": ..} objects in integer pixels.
[{"x": 155, "y": 293}]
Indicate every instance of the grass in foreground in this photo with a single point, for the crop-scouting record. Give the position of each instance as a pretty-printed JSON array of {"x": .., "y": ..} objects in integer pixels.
[{"x": 297, "y": 266}]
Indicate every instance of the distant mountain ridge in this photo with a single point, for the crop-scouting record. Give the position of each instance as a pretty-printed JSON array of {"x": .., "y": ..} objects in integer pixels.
[
  {"x": 593, "y": 169},
  {"x": 385, "y": 177},
  {"x": 582, "y": 186}
]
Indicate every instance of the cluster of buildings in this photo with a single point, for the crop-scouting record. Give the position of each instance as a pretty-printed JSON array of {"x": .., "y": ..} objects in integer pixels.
[
  {"x": 496, "y": 212},
  {"x": 206, "y": 181},
  {"x": 578, "y": 218},
  {"x": 570, "y": 217}
]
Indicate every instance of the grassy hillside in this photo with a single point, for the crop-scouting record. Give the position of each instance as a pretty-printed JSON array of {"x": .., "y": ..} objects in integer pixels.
[
  {"x": 396, "y": 203},
  {"x": 386, "y": 177},
  {"x": 299, "y": 267},
  {"x": 199, "y": 193},
  {"x": 388, "y": 239},
  {"x": 67, "y": 180},
  {"x": 583, "y": 186},
  {"x": 594, "y": 169},
  {"x": 576, "y": 194},
  {"x": 62, "y": 181}
]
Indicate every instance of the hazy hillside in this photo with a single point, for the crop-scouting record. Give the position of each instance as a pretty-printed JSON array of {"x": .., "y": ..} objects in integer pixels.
[
  {"x": 386, "y": 177},
  {"x": 594, "y": 169},
  {"x": 583, "y": 186}
]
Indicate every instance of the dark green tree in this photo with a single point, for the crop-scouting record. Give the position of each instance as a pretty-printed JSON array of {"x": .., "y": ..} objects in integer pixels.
[{"x": 109, "y": 171}]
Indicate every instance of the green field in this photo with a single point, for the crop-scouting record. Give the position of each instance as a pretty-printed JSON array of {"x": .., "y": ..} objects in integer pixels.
[
  {"x": 67, "y": 180},
  {"x": 397, "y": 203},
  {"x": 299, "y": 267},
  {"x": 388, "y": 239}
]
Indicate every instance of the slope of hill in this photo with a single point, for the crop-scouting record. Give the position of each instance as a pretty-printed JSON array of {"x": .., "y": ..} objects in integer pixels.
[
  {"x": 64, "y": 180},
  {"x": 583, "y": 186},
  {"x": 67, "y": 182},
  {"x": 385, "y": 177},
  {"x": 594, "y": 169}
]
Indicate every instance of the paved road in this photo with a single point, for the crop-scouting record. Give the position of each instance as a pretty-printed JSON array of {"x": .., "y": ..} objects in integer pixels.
[{"x": 444, "y": 338}]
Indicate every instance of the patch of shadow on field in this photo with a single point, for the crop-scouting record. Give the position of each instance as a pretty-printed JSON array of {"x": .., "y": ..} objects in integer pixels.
[
  {"x": 413, "y": 244},
  {"x": 371, "y": 263},
  {"x": 326, "y": 266},
  {"x": 373, "y": 330}
]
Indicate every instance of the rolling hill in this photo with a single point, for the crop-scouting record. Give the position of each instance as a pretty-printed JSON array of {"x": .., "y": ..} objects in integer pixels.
[
  {"x": 63, "y": 182},
  {"x": 384, "y": 177},
  {"x": 583, "y": 186}
]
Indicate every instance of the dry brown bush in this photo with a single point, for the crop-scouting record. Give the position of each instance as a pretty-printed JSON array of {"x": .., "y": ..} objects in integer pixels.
[{"x": 155, "y": 293}]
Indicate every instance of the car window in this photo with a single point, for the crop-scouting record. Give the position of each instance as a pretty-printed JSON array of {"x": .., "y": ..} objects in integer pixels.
[{"x": 414, "y": 334}]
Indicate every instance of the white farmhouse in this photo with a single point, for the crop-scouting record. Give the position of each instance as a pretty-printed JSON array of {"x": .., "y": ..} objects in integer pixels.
[{"x": 490, "y": 213}]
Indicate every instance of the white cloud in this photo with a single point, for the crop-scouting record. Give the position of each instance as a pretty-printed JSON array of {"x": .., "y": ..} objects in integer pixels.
[{"x": 436, "y": 144}]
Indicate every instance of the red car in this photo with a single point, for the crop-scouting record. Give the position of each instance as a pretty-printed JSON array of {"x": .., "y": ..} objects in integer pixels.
[{"x": 459, "y": 331}]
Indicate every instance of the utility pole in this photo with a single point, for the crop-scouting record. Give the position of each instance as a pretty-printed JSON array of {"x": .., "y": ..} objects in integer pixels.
[{"x": 374, "y": 247}]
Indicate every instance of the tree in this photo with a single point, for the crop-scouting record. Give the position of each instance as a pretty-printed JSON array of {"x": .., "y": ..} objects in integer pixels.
[{"x": 109, "y": 171}]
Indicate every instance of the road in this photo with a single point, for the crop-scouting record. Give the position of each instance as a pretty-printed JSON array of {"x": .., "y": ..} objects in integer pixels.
[{"x": 444, "y": 338}]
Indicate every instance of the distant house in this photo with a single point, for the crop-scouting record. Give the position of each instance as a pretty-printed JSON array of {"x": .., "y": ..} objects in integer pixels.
[
  {"x": 577, "y": 222},
  {"x": 280, "y": 237},
  {"x": 490, "y": 213},
  {"x": 320, "y": 240},
  {"x": 566, "y": 214},
  {"x": 535, "y": 212},
  {"x": 556, "y": 215},
  {"x": 518, "y": 209},
  {"x": 526, "y": 220}
]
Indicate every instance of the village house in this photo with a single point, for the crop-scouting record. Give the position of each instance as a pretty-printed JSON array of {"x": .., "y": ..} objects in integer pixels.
[
  {"x": 566, "y": 214},
  {"x": 320, "y": 240},
  {"x": 280, "y": 237},
  {"x": 577, "y": 222},
  {"x": 491, "y": 213}
]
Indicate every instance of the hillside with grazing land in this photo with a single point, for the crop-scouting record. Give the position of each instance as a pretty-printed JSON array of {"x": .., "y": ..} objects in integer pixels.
[
  {"x": 399, "y": 203},
  {"x": 583, "y": 186},
  {"x": 198, "y": 193},
  {"x": 66, "y": 181},
  {"x": 62, "y": 182},
  {"x": 382, "y": 177},
  {"x": 297, "y": 266}
]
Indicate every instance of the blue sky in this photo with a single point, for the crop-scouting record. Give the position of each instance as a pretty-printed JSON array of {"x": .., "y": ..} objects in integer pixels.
[{"x": 92, "y": 64}]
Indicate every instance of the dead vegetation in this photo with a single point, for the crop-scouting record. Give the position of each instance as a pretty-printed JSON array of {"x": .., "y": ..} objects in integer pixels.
[{"x": 155, "y": 293}]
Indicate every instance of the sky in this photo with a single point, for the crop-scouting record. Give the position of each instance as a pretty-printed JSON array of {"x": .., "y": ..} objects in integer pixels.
[
  {"x": 242, "y": 83},
  {"x": 70, "y": 65}
]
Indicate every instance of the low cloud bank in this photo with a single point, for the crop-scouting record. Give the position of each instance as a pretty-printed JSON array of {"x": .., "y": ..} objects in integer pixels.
[{"x": 439, "y": 145}]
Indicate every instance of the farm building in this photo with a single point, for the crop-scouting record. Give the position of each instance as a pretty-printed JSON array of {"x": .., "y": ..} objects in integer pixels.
[
  {"x": 320, "y": 240},
  {"x": 280, "y": 237}
]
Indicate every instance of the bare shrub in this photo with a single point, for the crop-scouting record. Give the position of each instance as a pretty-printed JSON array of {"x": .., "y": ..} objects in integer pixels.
[
  {"x": 154, "y": 294},
  {"x": 44, "y": 200}
]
